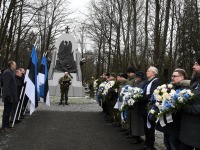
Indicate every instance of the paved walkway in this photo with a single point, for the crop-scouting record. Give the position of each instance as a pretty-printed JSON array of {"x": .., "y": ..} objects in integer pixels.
[{"x": 79, "y": 126}]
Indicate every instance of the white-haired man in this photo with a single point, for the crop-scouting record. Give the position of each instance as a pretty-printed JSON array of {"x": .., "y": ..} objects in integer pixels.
[{"x": 149, "y": 88}]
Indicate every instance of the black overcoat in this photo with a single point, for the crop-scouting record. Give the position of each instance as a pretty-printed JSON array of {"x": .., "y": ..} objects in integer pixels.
[
  {"x": 9, "y": 85},
  {"x": 190, "y": 122}
]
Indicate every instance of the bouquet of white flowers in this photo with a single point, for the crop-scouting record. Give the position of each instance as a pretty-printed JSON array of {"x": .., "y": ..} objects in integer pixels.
[
  {"x": 108, "y": 85},
  {"x": 129, "y": 95},
  {"x": 168, "y": 101}
]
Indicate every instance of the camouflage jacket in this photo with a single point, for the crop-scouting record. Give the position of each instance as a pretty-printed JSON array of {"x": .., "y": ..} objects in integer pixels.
[
  {"x": 131, "y": 81},
  {"x": 65, "y": 82}
]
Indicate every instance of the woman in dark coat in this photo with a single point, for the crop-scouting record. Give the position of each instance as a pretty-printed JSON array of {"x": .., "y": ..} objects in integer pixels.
[{"x": 137, "y": 122}]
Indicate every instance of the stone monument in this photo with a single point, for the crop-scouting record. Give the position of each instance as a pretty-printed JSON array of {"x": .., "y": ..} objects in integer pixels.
[{"x": 66, "y": 58}]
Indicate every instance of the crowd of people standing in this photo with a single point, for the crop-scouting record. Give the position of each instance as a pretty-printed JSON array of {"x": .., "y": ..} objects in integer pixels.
[{"x": 183, "y": 133}]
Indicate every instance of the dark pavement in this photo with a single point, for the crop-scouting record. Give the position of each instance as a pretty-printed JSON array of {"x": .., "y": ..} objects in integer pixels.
[{"x": 53, "y": 130}]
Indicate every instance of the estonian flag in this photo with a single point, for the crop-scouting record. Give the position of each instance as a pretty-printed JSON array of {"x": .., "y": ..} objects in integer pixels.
[
  {"x": 43, "y": 78},
  {"x": 32, "y": 88}
]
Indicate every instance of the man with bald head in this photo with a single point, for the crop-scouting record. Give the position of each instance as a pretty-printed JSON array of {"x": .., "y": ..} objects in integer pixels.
[{"x": 64, "y": 82}]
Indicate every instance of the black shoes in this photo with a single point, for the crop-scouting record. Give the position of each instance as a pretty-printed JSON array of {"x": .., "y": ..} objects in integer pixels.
[
  {"x": 123, "y": 130},
  {"x": 61, "y": 103},
  {"x": 6, "y": 130},
  {"x": 136, "y": 141},
  {"x": 129, "y": 137},
  {"x": 16, "y": 121},
  {"x": 116, "y": 125},
  {"x": 126, "y": 133},
  {"x": 147, "y": 148}
]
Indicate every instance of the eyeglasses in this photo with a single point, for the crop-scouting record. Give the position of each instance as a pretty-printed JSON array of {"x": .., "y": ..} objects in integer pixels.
[{"x": 174, "y": 76}]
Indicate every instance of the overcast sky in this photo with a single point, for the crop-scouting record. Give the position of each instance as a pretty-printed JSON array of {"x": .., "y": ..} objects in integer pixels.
[{"x": 79, "y": 6}]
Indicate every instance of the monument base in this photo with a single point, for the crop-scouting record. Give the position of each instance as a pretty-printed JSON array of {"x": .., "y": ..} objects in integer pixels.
[{"x": 75, "y": 90}]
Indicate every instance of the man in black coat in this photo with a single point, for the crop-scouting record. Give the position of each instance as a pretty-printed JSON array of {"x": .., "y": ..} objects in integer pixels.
[
  {"x": 190, "y": 121},
  {"x": 9, "y": 94},
  {"x": 149, "y": 88},
  {"x": 18, "y": 77}
]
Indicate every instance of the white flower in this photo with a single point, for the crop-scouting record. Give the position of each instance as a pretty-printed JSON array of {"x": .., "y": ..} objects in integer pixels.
[
  {"x": 95, "y": 83},
  {"x": 170, "y": 86},
  {"x": 163, "y": 86},
  {"x": 130, "y": 88},
  {"x": 159, "y": 87},
  {"x": 180, "y": 99},
  {"x": 152, "y": 111},
  {"x": 157, "y": 104},
  {"x": 156, "y": 91},
  {"x": 183, "y": 91},
  {"x": 131, "y": 102}
]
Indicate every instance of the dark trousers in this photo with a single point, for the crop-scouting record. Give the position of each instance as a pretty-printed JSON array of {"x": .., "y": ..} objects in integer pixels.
[
  {"x": 6, "y": 114},
  {"x": 149, "y": 133},
  {"x": 128, "y": 120},
  {"x": 105, "y": 107},
  {"x": 91, "y": 93},
  {"x": 14, "y": 108},
  {"x": 187, "y": 147},
  {"x": 64, "y": 94},
  {"x": 171, "y": 142}
]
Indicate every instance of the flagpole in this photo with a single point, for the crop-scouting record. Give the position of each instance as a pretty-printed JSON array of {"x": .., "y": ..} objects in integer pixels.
[
  {"x": 22, "y": 103},
  {"x": 25, "y": 108},
  {"x": 17, "y": 107},
  {"x": 31, "y": 81}
]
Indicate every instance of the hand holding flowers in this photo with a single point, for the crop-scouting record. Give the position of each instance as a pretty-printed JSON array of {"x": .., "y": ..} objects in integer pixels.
[
  {"x": 129, "y": 95},
  {"x": 167, "y": 100}
]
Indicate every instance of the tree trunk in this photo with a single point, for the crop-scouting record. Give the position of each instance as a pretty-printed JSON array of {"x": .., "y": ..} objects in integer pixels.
[
  {"x": 19, "y": 31},
  {"x": 156, "y": 34},
  {"x": 163, "y": 47}
]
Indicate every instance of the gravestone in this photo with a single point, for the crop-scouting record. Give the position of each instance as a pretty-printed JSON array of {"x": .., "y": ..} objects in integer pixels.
[{"x": 66, "y": 58}]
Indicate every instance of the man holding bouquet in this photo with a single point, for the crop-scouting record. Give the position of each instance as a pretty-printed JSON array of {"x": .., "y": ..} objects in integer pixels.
[
  {"x": 190, "y": 122},
  {"x": 149, "y": 87}
]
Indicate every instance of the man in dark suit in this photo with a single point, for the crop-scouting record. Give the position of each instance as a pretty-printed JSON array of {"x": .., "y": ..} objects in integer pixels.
[{"x": 9, "y": 94}]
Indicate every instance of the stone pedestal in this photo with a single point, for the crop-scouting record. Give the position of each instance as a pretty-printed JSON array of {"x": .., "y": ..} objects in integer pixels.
[{"x": 75, "y": 90}]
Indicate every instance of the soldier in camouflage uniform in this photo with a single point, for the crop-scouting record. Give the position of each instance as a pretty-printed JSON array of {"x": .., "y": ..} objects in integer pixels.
[
  {"x": 64, "y": 82},
  {"x": 121, "y": 79},
  {"x": 91, "y": 87}
]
